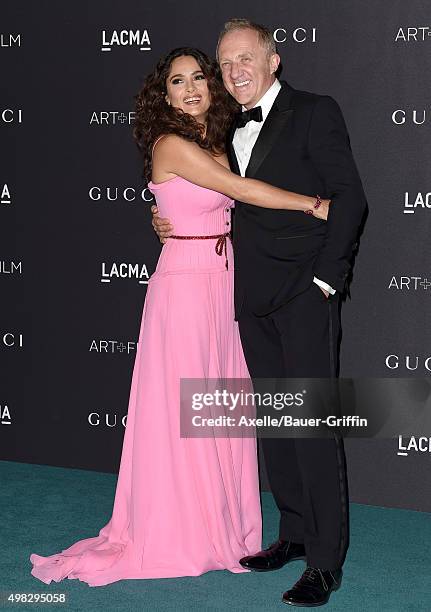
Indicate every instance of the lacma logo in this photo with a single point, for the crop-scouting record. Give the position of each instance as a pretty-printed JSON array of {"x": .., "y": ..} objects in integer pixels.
[
  {"x": 124, "y": 270},
  {"x": 5, "y": 415},
  {"x": 420, "y": 200},
  {"x": 418, "y": 445},
  {"x": 140, "y": 39},
  {"x": 5, "y": 195}
]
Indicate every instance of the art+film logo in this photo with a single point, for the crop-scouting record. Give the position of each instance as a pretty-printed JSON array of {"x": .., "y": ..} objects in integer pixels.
[
  {"x": 112, "y": 118},
  {"x": 10, "y": 267},
  {"x": 8, "y": 41},
  {"x": 409, "y": 283},
  {"x": 413, "y": 34},
  {"x": 111, "y": 347}
]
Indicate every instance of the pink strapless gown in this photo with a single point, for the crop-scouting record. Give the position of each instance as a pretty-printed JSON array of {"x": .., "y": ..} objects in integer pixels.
[{"x": 183, "y": 506}]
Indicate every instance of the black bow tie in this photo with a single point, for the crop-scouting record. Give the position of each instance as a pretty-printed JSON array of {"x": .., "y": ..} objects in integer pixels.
[{"x": 254, "y": 114}]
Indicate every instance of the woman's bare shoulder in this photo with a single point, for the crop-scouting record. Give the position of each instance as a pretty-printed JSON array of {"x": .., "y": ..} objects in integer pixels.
[
  {"x": 170, "y": 152},
  {"x": 173, "y": 143}
]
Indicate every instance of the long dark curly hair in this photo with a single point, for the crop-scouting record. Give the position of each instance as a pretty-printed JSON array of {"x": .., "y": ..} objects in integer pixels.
[{"x": 155, "y": 117}]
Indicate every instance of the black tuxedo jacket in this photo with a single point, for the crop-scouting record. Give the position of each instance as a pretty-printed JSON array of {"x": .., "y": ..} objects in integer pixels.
[{"x": 304, "y": 147}]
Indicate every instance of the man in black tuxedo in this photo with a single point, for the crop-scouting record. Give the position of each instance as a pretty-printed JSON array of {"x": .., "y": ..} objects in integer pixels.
[{"x": 290, "y": 272}]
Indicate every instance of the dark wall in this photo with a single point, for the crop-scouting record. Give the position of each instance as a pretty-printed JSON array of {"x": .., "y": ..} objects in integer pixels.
[{"x": 76, "y": 239}]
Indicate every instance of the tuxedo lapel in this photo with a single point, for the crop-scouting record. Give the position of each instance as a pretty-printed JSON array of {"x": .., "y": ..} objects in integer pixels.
[
  {"x": 278, "y": 116},
  {"x": 233, "y": 161}
]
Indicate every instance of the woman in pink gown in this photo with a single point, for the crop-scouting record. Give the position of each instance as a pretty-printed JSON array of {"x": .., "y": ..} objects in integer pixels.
[{"x": 183, "y": 506}]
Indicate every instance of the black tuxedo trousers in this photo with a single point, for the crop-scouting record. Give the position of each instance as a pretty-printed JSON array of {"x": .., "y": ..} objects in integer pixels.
[{"x": 307, "y": 476}]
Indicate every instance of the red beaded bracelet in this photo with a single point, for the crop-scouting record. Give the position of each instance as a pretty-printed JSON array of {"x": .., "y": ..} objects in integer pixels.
[
  {"x": 318, "y": 201},
  {"x": 315, "y": 206}
]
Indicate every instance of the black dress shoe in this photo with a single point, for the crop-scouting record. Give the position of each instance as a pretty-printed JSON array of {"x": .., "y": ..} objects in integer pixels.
[
  {"x": 275, "y": 556},
  {"x": 313, "y": 588}
]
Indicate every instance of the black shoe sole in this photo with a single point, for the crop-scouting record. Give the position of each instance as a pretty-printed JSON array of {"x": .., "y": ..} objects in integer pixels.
[
  {"x": 277, "y": 567},
  {"x": 313, "y": 605}
]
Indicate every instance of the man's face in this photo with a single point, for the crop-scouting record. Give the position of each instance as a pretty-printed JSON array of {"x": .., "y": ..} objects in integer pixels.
[{"x": 247, "y": 68}]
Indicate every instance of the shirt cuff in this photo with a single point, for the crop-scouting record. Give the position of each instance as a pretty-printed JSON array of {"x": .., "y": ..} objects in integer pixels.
[{"x": 324, "y": 285}]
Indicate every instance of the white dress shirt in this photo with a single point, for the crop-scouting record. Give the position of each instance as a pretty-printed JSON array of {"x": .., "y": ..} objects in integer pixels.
[{"x": 245, "y": 138}]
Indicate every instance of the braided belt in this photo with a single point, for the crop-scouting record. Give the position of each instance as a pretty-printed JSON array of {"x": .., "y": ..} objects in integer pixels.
[{"x": 221, "y": 244}]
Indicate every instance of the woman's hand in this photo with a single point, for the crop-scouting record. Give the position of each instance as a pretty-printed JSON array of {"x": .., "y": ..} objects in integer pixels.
[{"x": 322, "y": 211}]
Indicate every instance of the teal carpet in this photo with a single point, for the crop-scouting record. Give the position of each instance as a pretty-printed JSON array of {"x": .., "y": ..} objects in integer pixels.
[{"x": 46, "y": 509}]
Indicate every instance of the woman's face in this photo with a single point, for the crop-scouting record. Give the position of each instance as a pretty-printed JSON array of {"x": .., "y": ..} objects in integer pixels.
[{"x": 187, "y": 88}]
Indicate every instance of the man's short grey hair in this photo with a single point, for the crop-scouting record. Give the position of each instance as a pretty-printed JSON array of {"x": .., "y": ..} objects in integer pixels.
[{"x": 265, "y": 36}]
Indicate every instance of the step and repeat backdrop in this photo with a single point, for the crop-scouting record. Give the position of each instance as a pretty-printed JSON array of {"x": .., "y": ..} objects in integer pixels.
[{"x": 76, "y": 242}]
